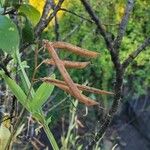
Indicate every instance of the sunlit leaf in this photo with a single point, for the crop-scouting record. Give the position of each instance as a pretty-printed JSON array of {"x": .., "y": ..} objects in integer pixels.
[
  {"x": 4, "y": 136},
  {"x": 41, "y": 95},
  {"x": 28, "y": 32},
  {"x": 48, "y": 121},
  {"x": 31, "y": 13},
  {"x": 16, "y": 90},
  {"x": 9, "y": 36}
]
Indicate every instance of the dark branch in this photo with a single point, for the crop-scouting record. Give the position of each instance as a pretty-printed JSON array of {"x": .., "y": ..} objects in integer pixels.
[
  {"x": 135, "y": 53},
  {"x": 113, "y": 109},
  {"x": 106, "y": 36},
  {"x": 56, "y": 9},
  {"x": 56, "y": 28},
  {"x": 123, "y": 24},
  {"x": 98, "y": 23},
  {"x": 56, "y": 25},
  {"x": 46, "y": 9},
  {"x": 119, "y": 74},
  {"x": 45, "y": 20},
  {"x": 39, "y": 27}
]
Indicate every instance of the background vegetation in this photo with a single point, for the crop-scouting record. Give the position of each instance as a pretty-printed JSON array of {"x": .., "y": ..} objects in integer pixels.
[{"x": 72, "y": 123}]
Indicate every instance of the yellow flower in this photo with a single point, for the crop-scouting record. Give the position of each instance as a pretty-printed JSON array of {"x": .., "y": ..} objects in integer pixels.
[
  {"x": 39, "y": 5},
  {"x": 120, "y": 11}
]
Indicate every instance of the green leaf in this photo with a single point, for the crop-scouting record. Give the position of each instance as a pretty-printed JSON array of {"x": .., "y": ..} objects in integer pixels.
[
  {"x": 41, "y": 95},
  {"x": 31, "y": 12},
  {"x": 10, "y": 3},
  {"x": 4, "y": 136},
  {"x": 49, "y": 120},
  {"x": 38, "y": 116},
  {"x": 28, "y": 32},
  {"x": 9, "y": 36},
  {"x": 1, "y": 10},
  {"x": 16, "y": 90},
  {"x": 1, "y": 3}
]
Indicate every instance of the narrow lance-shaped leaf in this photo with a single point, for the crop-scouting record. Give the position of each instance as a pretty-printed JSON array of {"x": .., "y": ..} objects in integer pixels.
[
  {"x": 41, "y": 95},
  {"x": 16, "y": 90},
  {"x": 48, "y": 121}
]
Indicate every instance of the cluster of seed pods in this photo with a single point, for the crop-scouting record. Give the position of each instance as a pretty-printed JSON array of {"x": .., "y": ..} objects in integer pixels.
[{"x": 68, "y": 84}]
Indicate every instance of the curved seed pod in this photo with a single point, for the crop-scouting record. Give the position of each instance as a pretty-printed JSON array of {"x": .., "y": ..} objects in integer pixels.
[
  {"x": 75, "y": 49},
  {"x": 72, "y": 87},
  {"x": 80, "y": 87},
  {"x": 69, "y": 64},
  {"x": 86, "y": 100}
]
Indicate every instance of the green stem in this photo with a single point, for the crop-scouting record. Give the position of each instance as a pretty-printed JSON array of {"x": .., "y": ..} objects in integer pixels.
[
  {"x": 71, "y": 124},
  {"x": 50, "y": 136},
  {"x": 24, "y": 77},
  {"x": 28, "y": 88}
]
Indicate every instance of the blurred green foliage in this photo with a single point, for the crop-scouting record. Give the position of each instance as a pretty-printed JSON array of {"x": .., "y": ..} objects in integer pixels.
[{"x": 83, "y": 33}]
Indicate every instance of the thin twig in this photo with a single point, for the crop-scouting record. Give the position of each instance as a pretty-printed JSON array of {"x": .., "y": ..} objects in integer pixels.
[
  {"x": 75, "y": 14},
  {"x": 83, "y": 18},
  {"x": 17, "y": 124},
  {"x": 71, "y": 32},
  {"x": 56, "y": 9},
  {"x": 123, "y": 24},
  {"x": 135, "y": 53}
]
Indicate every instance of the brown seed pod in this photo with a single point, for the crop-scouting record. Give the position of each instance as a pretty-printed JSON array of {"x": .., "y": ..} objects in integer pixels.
[
  {"x": 87, "y": 101},
  {"x": 69, "y": 64},
  {"x": 75, "y": 49},
  {"x": 72, "y": 87},
  {"x": 80, "y": 87}
]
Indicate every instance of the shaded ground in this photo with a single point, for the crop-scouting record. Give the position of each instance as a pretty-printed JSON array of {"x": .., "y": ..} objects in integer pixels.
[{"x": 131, "y": 128}]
